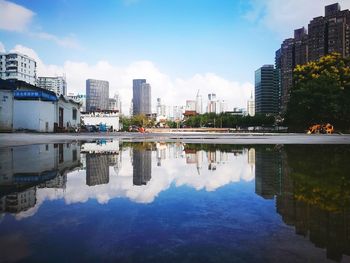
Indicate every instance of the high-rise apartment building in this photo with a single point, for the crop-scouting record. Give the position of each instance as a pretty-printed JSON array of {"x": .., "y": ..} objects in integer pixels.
[
  {"x": 55, "y": 84},
  {"x": 141, "y": 97},
  {"x": 97, "y": 95},
  {"x": 17, "y": 66},
  {"x": 326, "y": 34},
  {"x": 266, "y": 90}
]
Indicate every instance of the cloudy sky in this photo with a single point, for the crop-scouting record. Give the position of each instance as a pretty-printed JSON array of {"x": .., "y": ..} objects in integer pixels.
[{"x": 179, "y": 46}]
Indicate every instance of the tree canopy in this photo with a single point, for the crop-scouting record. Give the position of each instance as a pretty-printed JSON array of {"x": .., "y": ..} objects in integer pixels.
[{"x": 321, "y": 93}]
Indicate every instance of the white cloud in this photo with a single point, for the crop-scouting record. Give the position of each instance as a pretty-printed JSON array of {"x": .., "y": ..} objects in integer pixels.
[
  {"x": 284, "y": 17},
  {"x": 172, "y": 91},
  {"x": 2, "y": 47},
  {"x": 230, "y": 168},
  {"x": 18, "y": 18},
  {"x": 69, "y": 42},
  {"x": 14, "y": 17}
]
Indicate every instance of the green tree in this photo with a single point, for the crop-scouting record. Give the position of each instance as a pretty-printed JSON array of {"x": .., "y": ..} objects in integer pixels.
[{"x": 321, "y": 93}]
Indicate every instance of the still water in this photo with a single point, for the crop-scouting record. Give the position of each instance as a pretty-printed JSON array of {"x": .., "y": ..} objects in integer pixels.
[{"x": 109, "y": 201}]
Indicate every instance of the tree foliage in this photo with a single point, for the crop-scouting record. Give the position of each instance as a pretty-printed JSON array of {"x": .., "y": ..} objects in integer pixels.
[
  {"x": 321, "y": 93},
  {"x": 226, "y": 120}
]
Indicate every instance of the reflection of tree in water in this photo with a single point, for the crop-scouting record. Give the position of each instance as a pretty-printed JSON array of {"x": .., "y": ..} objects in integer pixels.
[{"x": 311, "y": 184}]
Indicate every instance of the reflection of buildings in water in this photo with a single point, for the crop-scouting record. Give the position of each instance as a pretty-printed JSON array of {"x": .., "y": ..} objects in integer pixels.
[
  {"x": 142, "y": 166},
  {"x": 251, "y": 156},
  {"x": 218, "y": 157},
  {"x": 176, "y": 150},
  {"x": 98, "y": 157},
  {"x": 161, "y": 152},
  {"x": 325, "y": 229},
  {"x": 24, "y": 168},
  {"x": 118, "y": 164},
  {"x": 18, "y": 201},
  {"x": 58, "y": 182},
  {"x": 194, "y": 157},
  {"x": 267, "y": 171},
  {"x": 251, "y": 162},
  {"x": 97, "y": 169}
]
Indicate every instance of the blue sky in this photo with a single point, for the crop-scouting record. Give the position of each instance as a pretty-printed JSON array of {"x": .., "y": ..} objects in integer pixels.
[{"x": 177, "y": 39}]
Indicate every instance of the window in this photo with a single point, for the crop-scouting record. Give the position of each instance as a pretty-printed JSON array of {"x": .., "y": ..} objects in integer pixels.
[{"x": 74, "y": 114}]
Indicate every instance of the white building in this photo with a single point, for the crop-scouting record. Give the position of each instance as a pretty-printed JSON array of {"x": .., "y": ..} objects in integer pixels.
[
  {"x": 81, "y": 98},
  {"x": 27, "y": 107},
  {"x": 115, "y": 103},
  {"x": 55, "y": 84},
  {"x": 111, "y": 120},
  {"x": 251, "y": 106},
  {"x": 199, "y": 104},
  {"x": 190, "y": 105},
  {"x": 17, "y": 66}
]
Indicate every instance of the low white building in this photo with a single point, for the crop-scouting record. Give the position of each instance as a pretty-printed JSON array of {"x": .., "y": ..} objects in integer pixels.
[
  {"x": 110, "y": 119},
  {"x": 27, "y": 107}
]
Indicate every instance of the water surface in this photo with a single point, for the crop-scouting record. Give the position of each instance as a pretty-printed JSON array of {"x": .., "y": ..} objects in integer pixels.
[{"x": 159, "y": 202}]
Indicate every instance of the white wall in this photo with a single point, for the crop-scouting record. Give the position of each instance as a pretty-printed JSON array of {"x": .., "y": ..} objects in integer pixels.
[
  {"x": 6, "y": 110},
  {"x": 108, "y": 120},
  {"x": 68, "y": 113},
  {"x": 33, "y": 115}
]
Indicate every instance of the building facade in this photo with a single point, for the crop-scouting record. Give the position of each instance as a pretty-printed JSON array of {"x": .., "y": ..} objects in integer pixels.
[
  {"x": 97, "y": 95},
  {"x": 115, "y": 103},
  {"x": 266, "y": 90},
  {"x": 141, "y": 98},
  {"x": 251, "y": 106},
  {"x": 55, "y": 84},
  {"x": 325, "y": 34},
  {"x": 17, "y": 66},
  {"x": 47, "y": 111}
]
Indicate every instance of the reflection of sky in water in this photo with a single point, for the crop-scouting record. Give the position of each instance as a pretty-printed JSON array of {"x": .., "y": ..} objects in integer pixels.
[
  {"x": 189, "y": 204},
  {"x": 176, "y": 169}
]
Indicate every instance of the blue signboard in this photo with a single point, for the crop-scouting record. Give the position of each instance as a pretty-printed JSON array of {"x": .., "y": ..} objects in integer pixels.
[{"x": 29, "y": 94}]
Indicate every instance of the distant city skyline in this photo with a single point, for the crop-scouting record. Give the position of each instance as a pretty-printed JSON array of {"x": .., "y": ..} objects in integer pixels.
[{"x": 214, "y": 47}]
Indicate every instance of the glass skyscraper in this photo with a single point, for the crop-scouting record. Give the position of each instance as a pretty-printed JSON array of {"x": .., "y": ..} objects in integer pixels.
[
  {"x": 266, "y": 90},
  {"x": 97, "y": 95},
  {"x": 141, "y": 98}
]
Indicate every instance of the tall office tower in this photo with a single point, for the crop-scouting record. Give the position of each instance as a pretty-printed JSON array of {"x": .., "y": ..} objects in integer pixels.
[
  {"x": 161, "y": 109},
  {"x": 141, "y": 97},
  {"x": 286, "y": 72},
  {"x": 266, "y": 90},
  {"x": 97, "y": 95},
  {"x": 97, "y": 169},
  {"x": 251, "y": 106},
  {"x": 212, "y": 96},
  {"x": 212, "y": 103},
  {"x": 142, "y": 166},
  {"x": 17, "y": 66},
  {"x": 55, "y": 84},
  {"x": 199, "y": 103}
]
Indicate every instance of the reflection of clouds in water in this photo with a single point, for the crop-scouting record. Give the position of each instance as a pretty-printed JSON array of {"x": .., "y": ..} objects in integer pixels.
[{"x": 172, "y": 171}]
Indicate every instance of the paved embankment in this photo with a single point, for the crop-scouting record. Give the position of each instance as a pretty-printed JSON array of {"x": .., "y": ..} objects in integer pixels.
[{"x": 12, "y": 139}]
